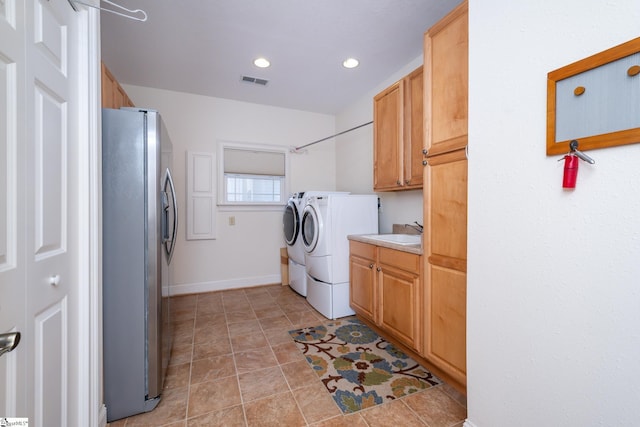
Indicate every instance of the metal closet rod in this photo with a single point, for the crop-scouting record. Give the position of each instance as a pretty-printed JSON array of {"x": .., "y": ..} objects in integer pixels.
[{"x": 332, "y": 136}]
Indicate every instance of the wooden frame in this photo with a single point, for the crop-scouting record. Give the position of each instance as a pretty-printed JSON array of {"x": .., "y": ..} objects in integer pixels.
[{"x": 611, "y": 137}]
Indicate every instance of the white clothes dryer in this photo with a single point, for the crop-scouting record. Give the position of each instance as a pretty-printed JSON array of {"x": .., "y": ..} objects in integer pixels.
[
  {"x": 291, "y": 227},
  {"x": 327, "y": 220}
]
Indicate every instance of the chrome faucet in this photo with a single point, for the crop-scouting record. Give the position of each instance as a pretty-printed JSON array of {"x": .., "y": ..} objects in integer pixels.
[{"x": 418, "y": 227}]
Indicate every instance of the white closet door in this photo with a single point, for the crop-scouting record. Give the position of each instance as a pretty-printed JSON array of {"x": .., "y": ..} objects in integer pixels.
[{"x": 201, "y": 197}]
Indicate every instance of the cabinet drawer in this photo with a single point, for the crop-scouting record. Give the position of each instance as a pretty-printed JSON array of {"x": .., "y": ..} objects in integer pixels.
[
  {"x": 404, "y": 260},
  {"x": 363, "y": 250}
]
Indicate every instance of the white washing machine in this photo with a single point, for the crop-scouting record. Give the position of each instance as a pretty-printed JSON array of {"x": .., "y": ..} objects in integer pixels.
[
  {"x": 327, "y": 220},
  {"x": 291, "y": 227}
]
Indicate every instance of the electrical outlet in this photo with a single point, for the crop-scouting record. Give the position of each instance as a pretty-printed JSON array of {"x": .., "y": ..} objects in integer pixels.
[{"x": 232, "y": 220}]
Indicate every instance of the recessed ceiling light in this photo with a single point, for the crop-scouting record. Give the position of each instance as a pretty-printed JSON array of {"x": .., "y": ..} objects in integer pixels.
[
  {"x": 261, "y": 62},
  {"x": 350, "y": 63}
]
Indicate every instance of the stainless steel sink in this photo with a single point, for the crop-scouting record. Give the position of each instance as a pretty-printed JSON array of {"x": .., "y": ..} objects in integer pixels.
[{"x": 398, "y": 239}]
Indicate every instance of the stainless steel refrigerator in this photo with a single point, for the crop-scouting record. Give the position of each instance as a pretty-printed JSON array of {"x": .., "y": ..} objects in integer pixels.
[{"x": 139, "y": 233}]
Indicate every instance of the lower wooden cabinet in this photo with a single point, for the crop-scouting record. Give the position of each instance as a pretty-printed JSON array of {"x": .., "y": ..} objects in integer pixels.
[
  {"x": 400, "y": 292},
  {"x": 424, "y": 311},
  {"x": 385, "y": 289},
  {"x": 362, "y": 289}
]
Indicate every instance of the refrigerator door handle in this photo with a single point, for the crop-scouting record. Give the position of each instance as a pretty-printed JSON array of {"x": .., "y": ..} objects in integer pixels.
[
  {"x": 169, "y": 244},
  {"x": 165, "y": 216}
]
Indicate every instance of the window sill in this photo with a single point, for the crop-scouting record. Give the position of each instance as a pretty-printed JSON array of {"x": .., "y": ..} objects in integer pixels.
[{"x": 250, "y": 208}]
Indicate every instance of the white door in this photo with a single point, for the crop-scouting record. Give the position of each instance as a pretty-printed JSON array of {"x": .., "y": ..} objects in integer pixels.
[
  {"x": 40, "y": 200},
  {"x": 12, "y": 206}
]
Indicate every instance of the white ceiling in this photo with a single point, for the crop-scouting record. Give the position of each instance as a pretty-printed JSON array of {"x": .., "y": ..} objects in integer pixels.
[{"x": 205, "y": 46}]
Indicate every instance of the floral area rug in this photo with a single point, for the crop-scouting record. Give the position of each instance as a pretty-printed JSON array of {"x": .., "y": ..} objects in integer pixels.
[{"x": 358, "y": 367}]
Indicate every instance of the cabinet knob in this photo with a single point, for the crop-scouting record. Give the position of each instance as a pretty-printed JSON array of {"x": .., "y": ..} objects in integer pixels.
[
  {"x": 370, "y": 265},
  {"x": 408, "y": 182},
  {"x": 424, "y": 163},
  {"x": 378, "y": 269},
  {"x": 399, "y": 182},
  {"x": 425, "y": 151}
]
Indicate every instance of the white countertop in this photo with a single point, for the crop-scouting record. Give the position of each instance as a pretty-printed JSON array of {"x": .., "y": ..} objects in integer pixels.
[{"x": 368, "y": 238}]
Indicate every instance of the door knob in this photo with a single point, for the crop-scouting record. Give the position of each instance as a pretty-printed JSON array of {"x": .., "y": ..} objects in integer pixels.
[
  {"x": 8, "y": 342},
  {"x": 54, "y": 280}
]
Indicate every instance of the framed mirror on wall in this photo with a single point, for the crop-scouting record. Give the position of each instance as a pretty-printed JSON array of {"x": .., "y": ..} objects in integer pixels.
[{"x": 595, "y": 101}]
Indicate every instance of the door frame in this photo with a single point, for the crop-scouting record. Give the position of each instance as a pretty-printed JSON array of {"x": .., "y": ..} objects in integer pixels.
[{"x": 91, "y": 411}]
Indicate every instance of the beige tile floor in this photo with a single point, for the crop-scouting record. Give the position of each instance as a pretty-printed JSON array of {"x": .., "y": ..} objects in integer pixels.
[{"x": 234, "y": 364}]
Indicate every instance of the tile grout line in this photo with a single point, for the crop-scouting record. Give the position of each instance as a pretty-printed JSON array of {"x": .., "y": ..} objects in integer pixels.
[
  {"x": 193, "y": 343},
  {"x": 193, "y": 334},
  {"x": 414, "y": 412},
  {"x": 235, "y": 365}
]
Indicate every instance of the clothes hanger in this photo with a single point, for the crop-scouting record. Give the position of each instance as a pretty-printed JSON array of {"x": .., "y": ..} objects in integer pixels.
[{"x": 133, "y": 11}]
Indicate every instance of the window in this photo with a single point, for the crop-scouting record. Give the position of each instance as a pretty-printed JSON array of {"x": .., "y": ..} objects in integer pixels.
[
  {"x": 252, "y": 188},
  {"x": 252, "y": 175}
]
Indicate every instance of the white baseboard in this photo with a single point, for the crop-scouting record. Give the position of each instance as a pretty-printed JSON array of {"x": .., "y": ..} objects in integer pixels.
[
  {"x": 222, "y": 285},
  {"x": 468, "y": 423},
  {"x": 102, "y": 416}
]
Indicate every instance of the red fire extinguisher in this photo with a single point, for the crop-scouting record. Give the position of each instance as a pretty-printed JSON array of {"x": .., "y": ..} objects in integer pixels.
[
  {"x": 571, "y": 161},
  {"x": 570, "y": 171}
]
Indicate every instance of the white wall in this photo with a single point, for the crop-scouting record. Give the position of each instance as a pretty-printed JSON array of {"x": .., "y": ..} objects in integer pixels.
[
  {"x": 553, "y": 334},
  {"x": 247, "y": 253},
  {"x": 354, "y": 158}
]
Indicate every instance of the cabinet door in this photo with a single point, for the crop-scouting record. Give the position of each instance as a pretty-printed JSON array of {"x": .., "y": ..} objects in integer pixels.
[
  {"x": 119, "y": 96},
  {"x": 107, "y": 88},
  {"x": 123, "y": 98},
  {"x": 113, "y": 95},
  {"x": 447, "y": 296},
  {"x": 362, "y": 289},
  {"x": 388, "y": 137},
  {"x": 445, "y": 209},
  {"x": 399, "y": 310},
  {"x": 413, "y": 129},
  {"x": 446, "y": 62}
]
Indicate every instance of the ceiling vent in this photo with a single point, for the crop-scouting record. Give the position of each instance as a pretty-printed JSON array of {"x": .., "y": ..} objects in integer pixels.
[{"x": 261, "y": 82}]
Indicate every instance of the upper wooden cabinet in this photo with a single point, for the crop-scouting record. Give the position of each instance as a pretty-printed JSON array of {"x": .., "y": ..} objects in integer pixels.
[
  {"x": 387, "y": 138},
  {"x": 445, "y": 194},
  {"x": 446, "y": 64},
  {"x": 398, "y": 135},
  {"x": 414, "y": 129},
  {"x": 113, "y": 95}
]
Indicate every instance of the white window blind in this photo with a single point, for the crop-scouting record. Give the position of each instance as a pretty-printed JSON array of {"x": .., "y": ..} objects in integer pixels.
[
  {"x": 252, "y": 174},
  {"x": 252, "y": 162}
]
